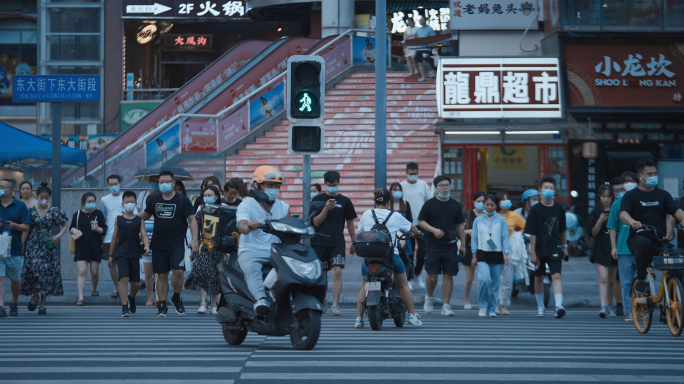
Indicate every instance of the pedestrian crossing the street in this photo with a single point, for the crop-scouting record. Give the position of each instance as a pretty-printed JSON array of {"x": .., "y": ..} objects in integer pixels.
[{"x": 95, "y": 345}]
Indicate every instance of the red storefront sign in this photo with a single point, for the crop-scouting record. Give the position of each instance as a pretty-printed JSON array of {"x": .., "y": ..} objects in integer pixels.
[
  {"x": 499, "y": 88},
  {"x": 607, "y": 74}
]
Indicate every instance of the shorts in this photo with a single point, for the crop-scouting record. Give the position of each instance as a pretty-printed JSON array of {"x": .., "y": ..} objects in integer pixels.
[
  {"x": 106, "y": 247},
  {"x": 410, "y": 53},
  {"x": 423, "y": 56},
  {"x": 398, "y": 264},
  {"x": 147, "y": 258},
  {"x": 441, "y": 260},
  {"x": 128, "y": 267},
  {"x": 11, "y": 267},
  {"x": 554, "y": 262},
  {"x": 166, "y": 260},
  {"x": 330, "y": 256}
]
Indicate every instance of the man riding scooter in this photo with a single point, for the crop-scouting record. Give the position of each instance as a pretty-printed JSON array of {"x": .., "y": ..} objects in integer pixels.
[{"x": 255, "y": 244}]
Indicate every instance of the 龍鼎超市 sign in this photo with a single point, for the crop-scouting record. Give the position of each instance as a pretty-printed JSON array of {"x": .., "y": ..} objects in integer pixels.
[
  {"x": 49, "y": 88},
  {"x": 499, "y": 88}
]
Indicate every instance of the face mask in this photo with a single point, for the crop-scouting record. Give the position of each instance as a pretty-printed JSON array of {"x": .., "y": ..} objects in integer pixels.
[
  {"x": 445, "y": 196},
  {"x": 154, "y": 186},
  {"x": 651, "y": 182},
  {"x": 2, "y": 192},
  {"x": 479, "y": 206},
  {"x": 619, "y": 195},
  {"x": 548, "y": 193},
  {"x": 114, "y": 189},
  {"x": 505, "y": 204},
  {"x": 629, "y": 186},
  {"x": 43, "y": 203},
  {"x": 129, "y": 207},
  {"x": 397, "y": 194},
  {"x": 333, "y": 189},
  {"x": 412, "y": 178},
  {"x": 209, "y": 200},
  {"x": 314, "y": 194},
  {"x": 490, "y": 213},
  {"x": 272, "y": 193},
  {"x": 532, "y": 204},
  {"x": 90, "y": 206},
  {"x": 166, "y": 187}
]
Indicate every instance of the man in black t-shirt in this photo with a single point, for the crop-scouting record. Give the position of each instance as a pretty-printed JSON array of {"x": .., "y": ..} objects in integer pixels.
[
  {"x": 546, "y": 226},
  {"x": 172, "y": 213},
  {"x": 331, "y": 250},
  {"x": 442, "y": 219},
  {"x": 647, "y": 205}
]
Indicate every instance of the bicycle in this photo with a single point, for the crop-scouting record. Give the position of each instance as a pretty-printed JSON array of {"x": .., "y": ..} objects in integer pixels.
[{"x": 671, "y": 292}]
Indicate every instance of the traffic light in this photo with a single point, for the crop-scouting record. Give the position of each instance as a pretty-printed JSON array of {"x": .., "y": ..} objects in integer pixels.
[
  {"x": 305, "y": 88},
  {"x": 306, "y": 138}
]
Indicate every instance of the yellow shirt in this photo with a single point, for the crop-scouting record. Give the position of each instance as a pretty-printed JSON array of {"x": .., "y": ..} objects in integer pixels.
[{"x": 514, "y": 221}]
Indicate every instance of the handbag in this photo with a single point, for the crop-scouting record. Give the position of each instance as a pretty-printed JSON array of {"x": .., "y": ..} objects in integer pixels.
[
  {"x": 6, "y": 244},
  {"x": 72, "y": 241}
]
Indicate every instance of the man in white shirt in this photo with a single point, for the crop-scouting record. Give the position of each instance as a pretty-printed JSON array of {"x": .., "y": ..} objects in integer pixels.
[{"x": 416, "y": 193}]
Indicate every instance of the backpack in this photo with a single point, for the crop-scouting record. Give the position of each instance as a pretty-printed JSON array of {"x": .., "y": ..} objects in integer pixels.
[{"x": 381, "y": 227}]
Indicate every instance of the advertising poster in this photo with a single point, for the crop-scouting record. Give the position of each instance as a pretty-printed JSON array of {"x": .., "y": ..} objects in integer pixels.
[
  {"x": 91, "y": 144},
  {"x": 133, "y": 111},
  {"x": 364, "y": 51},
  {"x": 267, "y": 105},
  {"x": 198, "y": 136},
  {"x": 509, "y": 157},
  {"x": 128, "y": 164},
  {"x": 163, "y": 147},
  {"x": 337, "y": 57},
  {"x": 234, "y": 127}
]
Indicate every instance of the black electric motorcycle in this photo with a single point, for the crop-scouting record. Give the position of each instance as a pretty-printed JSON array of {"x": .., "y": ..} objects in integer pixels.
[
  {"x": 294, "y": 282},
  {"x": 383, "y": 300}
]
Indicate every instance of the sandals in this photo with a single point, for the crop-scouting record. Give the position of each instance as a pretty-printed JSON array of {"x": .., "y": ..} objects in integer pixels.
[
  {"x": 115, "y": 295},
  {"x": 33, "y": 303},
  {"x": 94, "y": 293},
  {"x": 79, "y": 303}
]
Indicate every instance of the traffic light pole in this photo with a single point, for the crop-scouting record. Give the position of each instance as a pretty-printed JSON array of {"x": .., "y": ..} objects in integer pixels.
[
  {"x": 380, "y": 95},
  {"x": 306, "y": 190}
]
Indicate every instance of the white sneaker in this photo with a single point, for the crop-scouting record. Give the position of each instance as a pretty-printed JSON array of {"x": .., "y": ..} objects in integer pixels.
[
  {"x": 446, "y": 310},
  {"x": 541, "y": 311},
  {"x": 414, "y": 319},
  {"x": 335, "y": 309},
  {"x": 202, "y": 310},
  {"x": 261, "y": 307},
  {"x": 427, "y": 307},
  {"x": 492, "y": 314},
  {"x": 610, "y": 311},
  {"x": 432, "y": 73},
  {"x": 628, "y": 317},
  {"x": 420, "y": 282},
  {"x": 359, "y": 322},
  {"x": 411, "y": 285},
  {"x": 422, "y": 80},
  {"x": 483, "y": 312},
  {"x": 214, "y": 311}
]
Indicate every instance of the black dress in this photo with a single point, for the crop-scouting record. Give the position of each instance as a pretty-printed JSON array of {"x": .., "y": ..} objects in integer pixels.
[
  {"x": 600, "y": 253},
  {"x": 468, "y": 256},
  {"x": 89, "y": 246}
]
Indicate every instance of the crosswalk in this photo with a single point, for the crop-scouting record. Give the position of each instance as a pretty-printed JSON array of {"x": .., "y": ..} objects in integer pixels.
[{"x": 95, "y": 345}]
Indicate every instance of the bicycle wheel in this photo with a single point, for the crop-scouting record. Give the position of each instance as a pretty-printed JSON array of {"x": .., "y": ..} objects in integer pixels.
[
  {"x": 642, "y": 314},
  {"x": 674, "y": 309}
]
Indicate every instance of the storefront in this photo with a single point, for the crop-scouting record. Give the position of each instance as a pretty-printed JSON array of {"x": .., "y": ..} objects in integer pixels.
[{"x": 504, "y": 126}]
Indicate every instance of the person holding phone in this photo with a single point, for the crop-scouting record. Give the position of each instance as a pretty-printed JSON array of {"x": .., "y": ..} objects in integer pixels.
[
  {"x": 88, "y": 227},
  {"x": 606, "y": 266}
]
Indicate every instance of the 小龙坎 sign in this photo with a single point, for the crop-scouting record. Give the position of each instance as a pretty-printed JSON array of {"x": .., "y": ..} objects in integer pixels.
[{"x": 56, "y": 88}]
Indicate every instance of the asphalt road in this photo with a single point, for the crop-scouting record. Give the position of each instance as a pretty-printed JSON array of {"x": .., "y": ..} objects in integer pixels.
[{"x": 95, "y": 345}]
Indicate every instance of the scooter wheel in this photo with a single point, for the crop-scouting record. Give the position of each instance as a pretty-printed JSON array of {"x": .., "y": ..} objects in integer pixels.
[
  {"x": 234, "y": 337},
  {"x": 305, "y": 336},
  {"x": 375, "y": 317}
]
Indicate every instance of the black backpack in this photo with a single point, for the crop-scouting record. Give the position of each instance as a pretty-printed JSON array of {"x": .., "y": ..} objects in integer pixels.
[{"x": 381, "y": 227}]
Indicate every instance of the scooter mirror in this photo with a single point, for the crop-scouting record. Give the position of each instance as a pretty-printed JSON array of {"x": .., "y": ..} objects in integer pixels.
[{"x": 316, "y": 208}]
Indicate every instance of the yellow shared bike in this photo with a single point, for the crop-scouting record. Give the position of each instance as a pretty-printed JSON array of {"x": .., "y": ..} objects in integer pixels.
[{"x": 669, "y": 296}]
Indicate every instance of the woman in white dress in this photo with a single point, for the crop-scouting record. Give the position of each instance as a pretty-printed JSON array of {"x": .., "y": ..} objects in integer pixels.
[{"x": 410, "y": 33}]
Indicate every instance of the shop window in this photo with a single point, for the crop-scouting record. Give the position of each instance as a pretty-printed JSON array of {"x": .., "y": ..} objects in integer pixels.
[
  {"x": 74, "y": 20},
  {"x": 74, "y": 48},
  {"x": 581, "y": 14},
  {"x": 619, "y": 14},
  {"x": 18, "y": 55},
  {"x": 674, "y": 14}
]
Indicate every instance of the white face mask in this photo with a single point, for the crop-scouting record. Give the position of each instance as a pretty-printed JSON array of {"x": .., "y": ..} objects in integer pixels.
[
  {"x": 43, "y": 203},
  {"x": 629, "y": 186},
  {"x": 129, "y": 207},
  {"x": 412, "y": 178}
]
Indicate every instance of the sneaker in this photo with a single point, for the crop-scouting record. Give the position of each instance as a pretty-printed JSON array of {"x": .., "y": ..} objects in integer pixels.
[
  {"x": 14, "y": 311},
  {"x": 180, "y": 309},
  {"x": 559, "y": 312},
  {"x": 411, "y": 285},
  {"x": 603, "y": 312},
  {"x": 432, "y": 73},
  {"x": 420, "y": 282},
  {"x": 202, "y": 310},
  {"x": 163, "y": 309},
  {"x": 427, "y": 307},
  {"x": 3, "y": 313},
  {"x": 468, "y": 307},
  {"x": 261, "y": 307},
  {"x": 325, "y": 304},
  {"x": 498, "y": 309},
  {"x": 610, "y": 312},
  {"x": 446, "y": 310},
  {"x": 483, "y": 312},
  {"x": 541, "y": 311},
  {"x": 125, "y": 312},
  {"x": 359, "y": 322},
  {"x": 214, "y": 311},
  {"x": 628, "y": 317},
  {"x": 41, "y": 310},
  {"x": 492, "y": 314},
  {"x": 504, "y": 310},
  {"x": 422, "y": 80},
  {"x": 414, "y": 319},
  {"x": 131, "y": 304},
  {"x": 620, "y": 311},
  {"x": 335, "y": 309}
]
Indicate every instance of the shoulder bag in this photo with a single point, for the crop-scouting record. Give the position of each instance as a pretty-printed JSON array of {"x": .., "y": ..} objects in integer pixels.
[{"x": 72, "y": 241}]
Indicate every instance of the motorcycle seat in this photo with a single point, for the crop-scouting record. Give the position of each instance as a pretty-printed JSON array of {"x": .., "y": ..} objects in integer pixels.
[{"x": 234, "y": 265}]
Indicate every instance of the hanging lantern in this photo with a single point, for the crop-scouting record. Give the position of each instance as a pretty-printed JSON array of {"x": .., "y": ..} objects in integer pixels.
[{"x": 590, "y": 150}]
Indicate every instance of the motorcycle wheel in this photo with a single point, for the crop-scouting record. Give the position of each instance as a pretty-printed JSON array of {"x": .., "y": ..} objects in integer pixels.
[
  {"x": 375, "y": 317},
  {"x": 400, "y": 319},
  {"x": 305, "y": 337},
  {"x": 234, "y": 337},
  {"x": 547, "y": 295}
]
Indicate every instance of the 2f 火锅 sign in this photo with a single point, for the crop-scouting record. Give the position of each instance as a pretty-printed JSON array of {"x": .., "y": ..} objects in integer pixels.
[{"x": 499, "y": 88}]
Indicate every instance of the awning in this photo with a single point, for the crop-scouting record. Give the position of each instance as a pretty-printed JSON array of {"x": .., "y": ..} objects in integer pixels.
[
  {"x": 626, "y": 160},
  {"x": 17, "y": 145}
]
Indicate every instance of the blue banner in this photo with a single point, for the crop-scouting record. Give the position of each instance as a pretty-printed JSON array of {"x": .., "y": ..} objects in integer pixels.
[{"x": 47, "y": 88}]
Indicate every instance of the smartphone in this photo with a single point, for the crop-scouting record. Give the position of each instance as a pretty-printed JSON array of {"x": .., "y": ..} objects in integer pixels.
[
  {"x": 606, "y": 211},
  {"x": 332, "y": 200}
]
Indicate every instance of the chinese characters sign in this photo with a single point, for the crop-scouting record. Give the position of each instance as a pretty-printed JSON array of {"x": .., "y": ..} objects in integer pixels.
[
  {"x": 438, "y": 19},
  {"x": 624, "y": 74},
  {"x": 171, "y": 9},
  {"x": 493, "y": 14},
  {"x": 188, "y": 41},
  {"x": 32, "y": 89},
  {"x": 509, "y": 157},
  {"x": 498, "y": 88}
]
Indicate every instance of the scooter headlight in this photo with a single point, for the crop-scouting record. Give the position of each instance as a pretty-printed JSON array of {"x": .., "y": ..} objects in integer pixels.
[
  {"x": 308, "y": 270},
  {"x": 282, "y": 227}
]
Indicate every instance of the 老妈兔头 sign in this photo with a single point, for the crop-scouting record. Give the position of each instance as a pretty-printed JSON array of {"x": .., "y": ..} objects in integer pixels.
[{"x": 56, "y": 88}]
